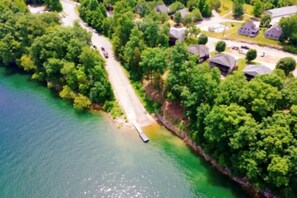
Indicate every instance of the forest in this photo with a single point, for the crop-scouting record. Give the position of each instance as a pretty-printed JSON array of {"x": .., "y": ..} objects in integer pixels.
[
  {"x": 248, "y": 126},
  {"x": 59, "y": 56}
]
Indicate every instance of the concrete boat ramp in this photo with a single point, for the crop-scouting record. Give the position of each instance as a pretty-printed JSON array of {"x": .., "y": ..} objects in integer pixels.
[{"x": 140, "y": 132}]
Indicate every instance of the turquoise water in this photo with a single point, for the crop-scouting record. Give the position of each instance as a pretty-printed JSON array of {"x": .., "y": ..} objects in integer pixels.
[{"x": 49, "y": 150}]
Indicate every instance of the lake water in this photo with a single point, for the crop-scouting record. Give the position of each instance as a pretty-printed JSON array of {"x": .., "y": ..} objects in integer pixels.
[{"x": 49, "y": 150}]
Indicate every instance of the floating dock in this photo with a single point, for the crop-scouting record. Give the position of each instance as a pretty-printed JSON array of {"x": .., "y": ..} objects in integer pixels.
[{"x": 141, "y": 133}]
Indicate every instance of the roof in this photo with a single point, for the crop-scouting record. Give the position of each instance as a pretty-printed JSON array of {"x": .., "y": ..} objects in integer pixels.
[
  {"x": 274, "y": 28},
  {"x": 224, "y": 59},
  {"x": 177, "y": 33},
  {"x": 200, "y": 50},
  {"x": 278, "y": 12},
  {"x": 254, "y": 70},
  {"x": 183, "y": 12},
  {"x": 162, "y": 8},
  {"x": 250, "y": 25}
]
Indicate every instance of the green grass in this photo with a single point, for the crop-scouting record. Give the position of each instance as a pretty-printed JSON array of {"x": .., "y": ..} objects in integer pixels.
[
  {"x": 259, "y": 39},
  {"x": 248, "y": 9},
  {"x": 241, "y": 63},
  {"x": 226, "y": 6},
  {"x": 233, "y": 35}
]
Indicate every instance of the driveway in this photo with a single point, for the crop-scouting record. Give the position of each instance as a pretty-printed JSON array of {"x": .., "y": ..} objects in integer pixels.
[{"x": 122, "y": 88}]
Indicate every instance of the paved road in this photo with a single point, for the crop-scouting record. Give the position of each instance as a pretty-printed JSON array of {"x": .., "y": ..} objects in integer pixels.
[{"x": 122, "y": 88}]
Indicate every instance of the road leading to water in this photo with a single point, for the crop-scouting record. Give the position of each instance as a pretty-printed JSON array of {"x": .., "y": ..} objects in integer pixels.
[{"x": 122, "y": 88}]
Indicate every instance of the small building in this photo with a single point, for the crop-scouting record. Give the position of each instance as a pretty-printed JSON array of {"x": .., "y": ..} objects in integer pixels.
[
  {"x": 200, "y": 50},
  {"x": 162, "y": 8},
  {"x": 248, "y": 29},
  {"x": 252, "y": 71},
  {"x": 224, "y": 62},
  {"x": 176, "y": 34},
  {"x": 183, "y": 12},
  {"x": 281, "y": 12},
  {"x": 273, "y": 32}
]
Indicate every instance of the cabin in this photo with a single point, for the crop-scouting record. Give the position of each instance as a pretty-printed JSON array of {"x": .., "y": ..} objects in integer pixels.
[
  {"x": 252, "y": 71},
  {"x": 199, "y": 50},
  {"x": 248, "y": 29},
  {"x": 183, "y": 12},
  {"x": 224, "y": 62},
  {"x": 281, "y": 12},
  {"x": 273, "y": 32},
  {"x": 176, "y": 34},
  {"x": 162, "y": 8}
]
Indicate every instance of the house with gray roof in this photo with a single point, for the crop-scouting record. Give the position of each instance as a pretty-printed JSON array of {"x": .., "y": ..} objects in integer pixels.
[
  {"x": 183, "y": 12},
  {"x": 162, "y": 8},
  {"x": 200, "y": 50},
  {"x": 273, "y": 32},
  {"x": 281, "y": 12},
  {"x": 248, "y": 29},
  {"x": 224, "y": 62},
  {"x": 176, "y": 34},
  {"x": 252, "y": 71}
]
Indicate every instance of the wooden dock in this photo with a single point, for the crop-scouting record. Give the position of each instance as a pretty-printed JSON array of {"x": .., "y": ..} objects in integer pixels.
[{"x": 141, "y": 133}]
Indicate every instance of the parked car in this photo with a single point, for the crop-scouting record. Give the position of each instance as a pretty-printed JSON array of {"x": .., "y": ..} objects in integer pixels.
[
  {"x": 245, "y": 47},
  {"x": 105, "y": 54},
  {"x": 235, "y": 48}
]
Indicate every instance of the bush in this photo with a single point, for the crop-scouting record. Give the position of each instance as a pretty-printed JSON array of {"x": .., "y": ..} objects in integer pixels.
[
  {"x": 290, "y": 48},
  {"x": 81, "y": 102},
  {"x": 286, "y": 64},
  {"x": 203, "y": 39},
  {"x": 196, "y": 14},
  {"x": 220, "y": 46},
  {"x": 175, "y": 6},
  {"x": 251, "y": 55},
  {"x": 265, "y": 21},
  {"x": 187, "y": 19}
]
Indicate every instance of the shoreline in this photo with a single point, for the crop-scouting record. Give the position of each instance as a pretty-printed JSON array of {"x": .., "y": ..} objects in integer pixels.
[{"x": 243, "y": 182}]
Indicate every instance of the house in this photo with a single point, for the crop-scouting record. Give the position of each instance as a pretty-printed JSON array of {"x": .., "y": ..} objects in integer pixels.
[
  {"x": 252, "y": 71},
  {"x": 281, "y": 12},
  {"x": 273, "y": 32},
  {"x": 224, "y": 62},
  {"x": 183, "y": 12},
  {"x": 200, "y": 50},
  {"x": 248, "y": 29},
  {"x": 176, "y": 34},
  {"x": 162, "y": 8}
]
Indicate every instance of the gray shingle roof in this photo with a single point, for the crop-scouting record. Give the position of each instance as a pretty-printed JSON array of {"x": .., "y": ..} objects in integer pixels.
[
  {"x": 200, "y": 50},
  {"x": 224, "y": 59},
  {"x": 162, "y": 8},
  {"x": 183, "y": 12},
  {"x": 284, "y": 11},
  {"x": 177, "y": 33},
  {"x": 254, "y": 70}
]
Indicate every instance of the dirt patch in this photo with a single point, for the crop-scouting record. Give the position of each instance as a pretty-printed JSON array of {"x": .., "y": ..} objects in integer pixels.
[
  {"x": 173, "y": 111},
  {"x": 152, "y": 92}
]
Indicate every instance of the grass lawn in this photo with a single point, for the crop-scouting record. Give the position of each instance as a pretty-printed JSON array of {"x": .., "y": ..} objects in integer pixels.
[
  {"x": 226, "y": 6},
  {"x": 241, "y": 63},
  {"x": 259, "y": 39},
  {"x": 233, "y": 29},
  {"x": 248, "y": 9},
  {"x": 233, "y": 35}
]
